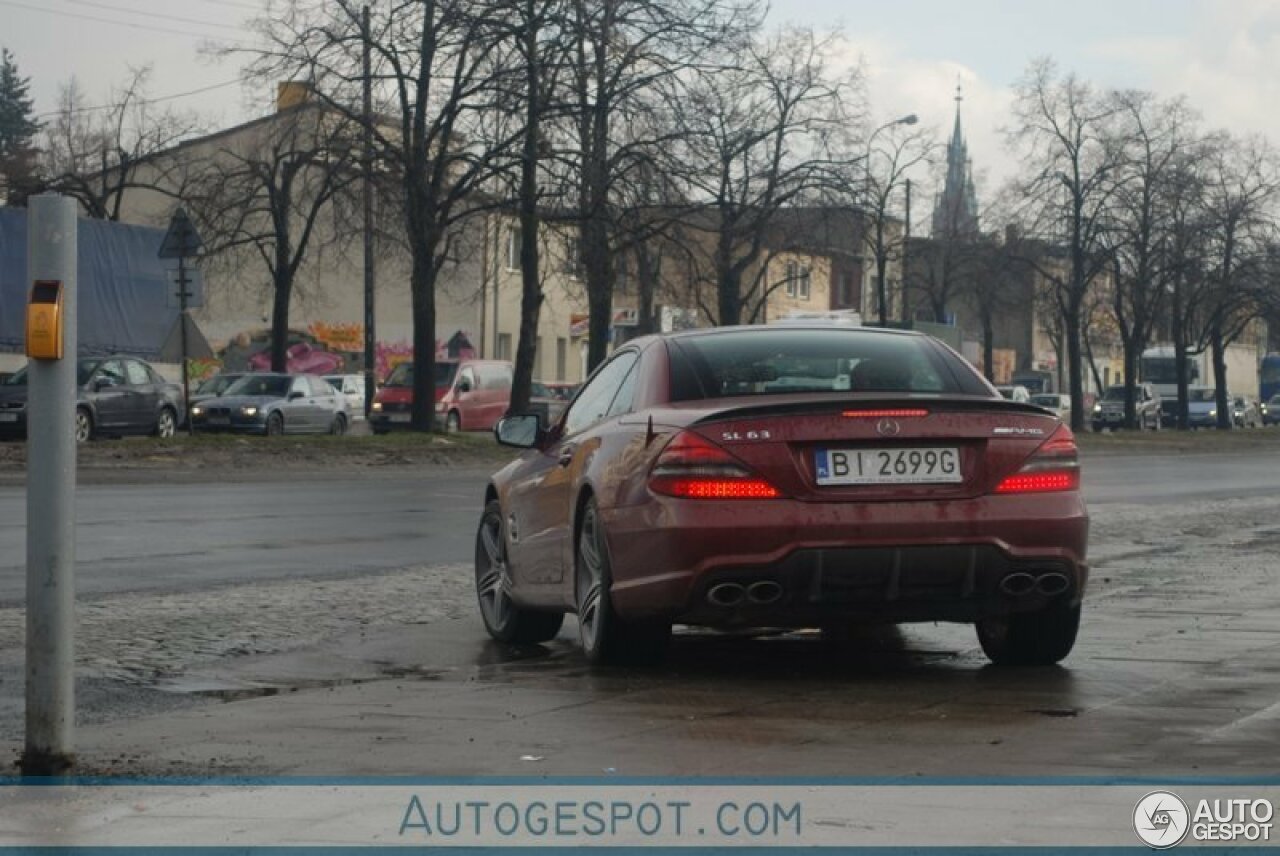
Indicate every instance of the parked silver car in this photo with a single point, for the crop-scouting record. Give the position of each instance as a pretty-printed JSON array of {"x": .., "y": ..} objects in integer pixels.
[
  {"x": 275, "y": 404},
  {"x": 351, "y": 386}
]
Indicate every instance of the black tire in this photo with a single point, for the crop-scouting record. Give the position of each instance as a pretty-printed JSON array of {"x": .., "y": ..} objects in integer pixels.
[
  {"x": 275, "y": 425},
  {"x": 166, "y": 424},
  {"x": 1039, "y": 638},
  {"x": 453, "y": 422},
  {"x": 339, "y": 426},
  {"x": 606, "y": 638},
  {"x": 504, "y": 620},
  {"x": 84, "y": 425}
]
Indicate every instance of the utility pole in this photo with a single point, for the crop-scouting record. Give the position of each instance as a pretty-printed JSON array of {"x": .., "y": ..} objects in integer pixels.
[
  {"x": 370, "y": 333},
  {"x": 906, "y": 240},
  {"x": 51, "y": 485},
  {"x": 182, "y": 240}
]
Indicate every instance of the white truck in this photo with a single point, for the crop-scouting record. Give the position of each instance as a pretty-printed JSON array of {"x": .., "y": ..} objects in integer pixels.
[{"x": 1159, "y": 369}]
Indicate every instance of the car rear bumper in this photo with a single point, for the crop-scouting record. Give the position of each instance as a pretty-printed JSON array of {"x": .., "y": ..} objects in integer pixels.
[{"x": 943, "y": 561}]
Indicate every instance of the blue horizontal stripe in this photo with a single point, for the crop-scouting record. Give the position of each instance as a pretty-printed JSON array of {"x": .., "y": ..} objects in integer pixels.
[{"x": 648, "y": 781}]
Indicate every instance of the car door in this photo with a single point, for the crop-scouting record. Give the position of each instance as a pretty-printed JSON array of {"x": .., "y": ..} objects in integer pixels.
[
  {"x": 539, "y": 502},
  {"x": 144, "y": 397},
  {"x": 326, "y": 402},
  {"x": 299, "y": 415},
  {"x": 110, "y": 397}
]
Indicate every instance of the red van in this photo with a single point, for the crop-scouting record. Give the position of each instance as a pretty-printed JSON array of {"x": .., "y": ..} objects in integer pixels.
[{"x": 471, "y": 395}]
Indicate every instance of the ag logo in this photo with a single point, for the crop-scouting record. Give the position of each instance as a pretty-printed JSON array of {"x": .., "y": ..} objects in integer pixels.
[{"x": 1161, "y": 820}]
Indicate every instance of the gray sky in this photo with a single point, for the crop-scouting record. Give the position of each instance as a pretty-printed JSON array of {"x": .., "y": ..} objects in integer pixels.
[{"x": 1224, "y": 54}]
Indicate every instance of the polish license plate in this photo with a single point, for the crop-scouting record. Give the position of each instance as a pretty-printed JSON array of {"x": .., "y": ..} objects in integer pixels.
[
  {"x": 219, "y": 420},
  {"x": 888, "y": 466},
  {"x": 8, "y": 417},
  {"x": 398, "y": 417}
]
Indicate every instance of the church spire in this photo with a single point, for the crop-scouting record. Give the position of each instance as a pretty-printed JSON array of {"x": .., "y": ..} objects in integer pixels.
[{"x": 956, "y": 211}]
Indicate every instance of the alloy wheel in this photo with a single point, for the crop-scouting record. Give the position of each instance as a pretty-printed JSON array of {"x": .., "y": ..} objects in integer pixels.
[
  {"x": 590, "y": 579},
  {"x": 84, "y": 426},
  {"x": 491, "y": 573},
  {"x": 165, "y": 426}
]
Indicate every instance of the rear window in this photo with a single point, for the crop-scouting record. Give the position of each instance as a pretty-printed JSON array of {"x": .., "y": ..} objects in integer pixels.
[
  {"x": 1045, "y": 400},
  {"x": 778, "y": 362}
]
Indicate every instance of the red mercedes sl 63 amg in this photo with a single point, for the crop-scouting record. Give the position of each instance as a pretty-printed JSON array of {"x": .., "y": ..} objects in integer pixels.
[{"x": 786, "y": 477}]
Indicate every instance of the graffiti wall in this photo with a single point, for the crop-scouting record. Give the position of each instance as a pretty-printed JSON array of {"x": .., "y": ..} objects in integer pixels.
[{"x": 321, "y": 349}]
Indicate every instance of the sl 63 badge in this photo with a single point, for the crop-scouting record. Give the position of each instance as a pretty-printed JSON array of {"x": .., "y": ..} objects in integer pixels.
[{"x": 733, "y": 436}]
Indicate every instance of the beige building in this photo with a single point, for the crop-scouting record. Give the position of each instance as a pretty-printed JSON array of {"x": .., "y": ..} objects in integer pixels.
[{"x": 478, "y": 290}]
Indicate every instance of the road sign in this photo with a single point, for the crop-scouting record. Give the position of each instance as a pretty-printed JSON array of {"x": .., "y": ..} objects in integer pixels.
[
  {"x": 182, "y": 240},
  {"x": 195, "y": 289}
]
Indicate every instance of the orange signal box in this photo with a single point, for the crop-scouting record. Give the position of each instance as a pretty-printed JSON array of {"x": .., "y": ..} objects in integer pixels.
[{"x": 44, "y": 321}]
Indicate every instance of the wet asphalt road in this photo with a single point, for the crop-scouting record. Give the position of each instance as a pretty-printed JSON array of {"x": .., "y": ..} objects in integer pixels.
[
  {"x": 353, "y": 590},
  {"x": 178, "y": 537}
]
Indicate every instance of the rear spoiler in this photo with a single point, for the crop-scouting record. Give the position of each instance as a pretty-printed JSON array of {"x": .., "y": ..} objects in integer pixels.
[{"x": 949, "y": 404}]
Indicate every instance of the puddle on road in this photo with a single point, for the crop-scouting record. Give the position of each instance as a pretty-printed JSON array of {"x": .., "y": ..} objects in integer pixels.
[{"x": 228, "y": 692}]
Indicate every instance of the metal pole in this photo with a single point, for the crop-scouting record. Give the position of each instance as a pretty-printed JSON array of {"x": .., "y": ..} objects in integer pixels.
[
  {"x": 370, "y": 333},
  {"x": 906, "y": 239},
  {"x": 182, "y": 337},
  {"x": 51, "y": 485}
]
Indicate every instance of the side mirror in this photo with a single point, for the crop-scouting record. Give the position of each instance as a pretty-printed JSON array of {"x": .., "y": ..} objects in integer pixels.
[
  {"x": 295, "y": 395},
  {"x": 521, "y": 431},
  {"x": 464, "y": 386},
  {"x": 103, "y": 382}
]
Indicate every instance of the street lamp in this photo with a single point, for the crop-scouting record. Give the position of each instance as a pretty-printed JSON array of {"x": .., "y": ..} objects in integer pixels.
[{"x": 880, "y": 254}]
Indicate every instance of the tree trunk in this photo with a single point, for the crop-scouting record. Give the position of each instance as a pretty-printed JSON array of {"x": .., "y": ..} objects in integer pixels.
[
  {"x": 648, "y": 271},
  {"x": 1130, "y": 382},
  {"x": 1221, "y": 394},
  {"x": 598, "y": 270},
  {"x": 280, "y": 321},
  {"x": 530, "y": 223},
  {"x": 988, "y": 347},
  {"x": 422, "y": 284},
  {"x": 1180, "y": 366},
  {"x": 1075, "y": 366}
]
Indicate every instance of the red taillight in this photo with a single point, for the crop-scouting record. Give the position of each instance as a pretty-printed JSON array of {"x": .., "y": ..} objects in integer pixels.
[
  {"x": 915, "y": 413},
  {"x": 1040, "y": 482},
  {"x": 1055, "y": 466},
  {"x": 707, "y": 488},
  {"x": 692, "y": 467}
]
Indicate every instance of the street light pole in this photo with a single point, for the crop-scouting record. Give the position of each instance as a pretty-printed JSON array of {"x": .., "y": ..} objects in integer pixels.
[{"x": 879, "y": 249}]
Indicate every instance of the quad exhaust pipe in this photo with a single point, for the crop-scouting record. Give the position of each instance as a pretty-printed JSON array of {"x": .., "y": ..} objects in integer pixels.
[
  {"x": 726, "y": 595},
  {"x": 1021, "y": 584},
  {"x": 759, "y": 593},
  {"x": 764, "y": 592}
]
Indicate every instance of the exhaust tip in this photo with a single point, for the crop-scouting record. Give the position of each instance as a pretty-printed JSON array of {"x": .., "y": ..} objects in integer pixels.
[
  {"x": 1018, "y": 584},
  {"x": 726, "y": 594},
  {"x": 764, "y": 592},
  {"x": 1051, "y": 584}
]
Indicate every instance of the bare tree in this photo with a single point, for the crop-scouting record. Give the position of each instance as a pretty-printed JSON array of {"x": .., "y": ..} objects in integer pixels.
[
  {"x": 436, "y": 69},
  {"x": 1154, "y": 135},
  {"x": 1242, "y": 182},
  {"x": 1062, "y": 132},
  {"x": 100, "y": 156},
  {"x": 625, "y": 53},
  {"x": 284, "y": 196},
  {"x": 760, "y": 135},
  {"x": 886, "y": 167}
]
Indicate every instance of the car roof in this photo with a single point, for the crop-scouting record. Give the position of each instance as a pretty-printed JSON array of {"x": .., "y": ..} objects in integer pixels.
[{"x": 789, "y": 328}]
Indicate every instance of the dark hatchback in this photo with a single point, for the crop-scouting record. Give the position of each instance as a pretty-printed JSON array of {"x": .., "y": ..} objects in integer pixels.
[{"x": 115, "y": 395}]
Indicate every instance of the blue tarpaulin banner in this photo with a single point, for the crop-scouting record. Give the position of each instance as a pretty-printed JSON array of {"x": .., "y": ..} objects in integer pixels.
[{"x": 122, "y": 286}]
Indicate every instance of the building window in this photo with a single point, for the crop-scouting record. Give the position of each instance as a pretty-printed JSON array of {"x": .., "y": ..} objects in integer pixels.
[
  {"x": 572, "y": 258},
  {"x": 514, "y": 239},
  {"x": 805, "y": 280},
  {"x": 562, "y": 355},
  {"x": 793, "y": 276},
  {"x": 504, "y": 346}
]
